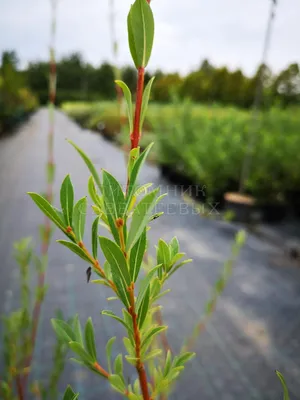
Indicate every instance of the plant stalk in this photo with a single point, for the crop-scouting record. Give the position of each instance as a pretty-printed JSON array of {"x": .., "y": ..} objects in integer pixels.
[
  {"x": 136, "y": 134},
  {"x": 137, "y": 339},
  {"x": 50, "y": 172}
]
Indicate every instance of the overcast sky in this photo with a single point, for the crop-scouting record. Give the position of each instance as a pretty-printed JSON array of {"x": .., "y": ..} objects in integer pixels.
[{"x": 226, "y": 32}]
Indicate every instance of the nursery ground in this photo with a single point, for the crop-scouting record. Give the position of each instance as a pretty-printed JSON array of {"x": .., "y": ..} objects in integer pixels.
[{"x": 255, "y": 328}]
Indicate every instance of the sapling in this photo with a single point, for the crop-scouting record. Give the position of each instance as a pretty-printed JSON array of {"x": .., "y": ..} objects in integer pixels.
[{"x": 128, "y": 221}]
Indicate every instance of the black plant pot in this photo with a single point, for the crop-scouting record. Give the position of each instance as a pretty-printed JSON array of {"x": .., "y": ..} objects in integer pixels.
[
  {"x": 274, "y": 212},
  {"x": 243, "y": 207}
]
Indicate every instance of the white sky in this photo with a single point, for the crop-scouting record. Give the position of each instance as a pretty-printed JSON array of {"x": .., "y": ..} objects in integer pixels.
[{"x": 226, "y": 32}]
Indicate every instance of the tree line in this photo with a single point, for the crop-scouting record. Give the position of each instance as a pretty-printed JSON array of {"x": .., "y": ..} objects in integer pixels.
[{"x": 79, "y": 80}]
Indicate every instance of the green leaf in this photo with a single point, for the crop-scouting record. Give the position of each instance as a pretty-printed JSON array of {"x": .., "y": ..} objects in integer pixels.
[
  {"x": 93, "y": 193},
  {"x": 78, "y": 349},
  {"x": 75, "y": 249},
  {"x": 63, "y": 330},
  {"x": 70, "y": 395},
  {"x": 145, "y": 283},
  {"x": 133, "y": 156},
  {"x": 48, "y": 210},
  {"x": 95, "y": 237},
  {"x": 140, "y": 218},
  {"x": 143, "y": 308},
  {"x": 117, "y": 383},
  {"x": 136, "y": 256},
  {"x": 180, "y": 265},
  {"x": 152, "y": 354},
  {"x": 150, "y": 335},
  {"x": 113, "y": 197},
  {"x": 90, "y": 339},
  {"x": 109, "y": 346},
  {"x": 163, "y": 254},
  {"x": 114, "y": 316},
  {"x": 89, "y": 164},
  {"x": 122, "y": 290},
  {"x": 127, "y": 95},
  {"x": 168, "y": 363},
  {"x": 67, "y": 200},
  {"x": 129, "y": 347},
  {"x": 116, "y": 259},
  {"x": 135, "y": 171},
  {"x": 140, "y": 24},
  {"x": 145, "y": 101},
  {"x": 79, "y": 216},
  {"x": 77, "y": 330},
  {"x": 118, "y": 365},
  {"x": 182, "y": 359},
  {"x": 174, "y": 246},
  {"x": 286, "y": 395},
  {"x": 142, "y": 189}
]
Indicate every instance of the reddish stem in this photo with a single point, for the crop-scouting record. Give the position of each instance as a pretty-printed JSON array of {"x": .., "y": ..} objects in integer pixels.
[
  {"x": 20, "y": 388},
  {"x": 137, "y": 339},
  {"x": 136, "y": 134}
]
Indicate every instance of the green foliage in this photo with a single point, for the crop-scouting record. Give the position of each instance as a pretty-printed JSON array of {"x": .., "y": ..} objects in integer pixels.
[
  {"x": 70, "y": 394},
  {"x": 140, "y": 24},
  {"x": 17, "y": 331},
  {"x": 16, "y": 100}
]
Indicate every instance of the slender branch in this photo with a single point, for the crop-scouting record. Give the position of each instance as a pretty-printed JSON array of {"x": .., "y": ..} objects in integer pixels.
[
  {"x": 137, "y": 339},
  {"x": 102, "y": 371},
  {"x": 20, "y": 390},
  {"x": 50, "y": 171},
  {"x": 136, "y": 134}
]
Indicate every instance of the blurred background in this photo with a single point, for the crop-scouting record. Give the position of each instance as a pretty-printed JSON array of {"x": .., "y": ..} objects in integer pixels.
[{"x": 225, "y": 119}]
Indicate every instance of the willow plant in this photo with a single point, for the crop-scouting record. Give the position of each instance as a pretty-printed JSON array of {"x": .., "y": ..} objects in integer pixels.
[{"x": 128, "y": 219}]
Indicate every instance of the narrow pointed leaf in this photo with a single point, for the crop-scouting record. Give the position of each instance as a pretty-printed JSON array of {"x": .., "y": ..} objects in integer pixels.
[
  {"x": 143, "y": 308},
  {"x": 79, "y": 216},
  {"x": 179, "y": 266},
  {"x": 78, "y": 349},
  {"x": 89, "y": 164},
  {"x": 70, "y": 394},
  {"x": 114, "y": 316},
  {"x": 95, "y": 237},
  {"x": 150, "y": 335},
  {"x": 127, "y": 95},
  {"x": 136, "y": 256},
  {"x": 145, "y": 283},
  {"x": 286, "y": 395},
  {"x": 67, "y": 200},
  {"x": 140, "y": 218},
  {"x": 117, "y": 383},
  {"x": 133, "y": 156},
  {"x": 63, "y": 330},
  {"x": 163, "y": 255},
  {"x": 77, "y": 330},
  {"x": 183, "y": 359},
  {"x": 113, "y": 197},
  {"x": 115, "y": 258},
  {"x": 108, "y": 349},
  {"x": 134, "y": 173},
  {"x": 75, "y": 249},
  {"x": 48, "y": 210},
  {"x": 153, "y": 354},
  {"x": 118, "y": 365},
  {"x": 90, "y": 339},
  {"x": 174, "y": 245},
  {"x": 146, "y": 96}
]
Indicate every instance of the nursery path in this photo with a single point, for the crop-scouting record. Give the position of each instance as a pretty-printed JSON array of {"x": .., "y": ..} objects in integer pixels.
[{"x": 255, "y": 329}]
